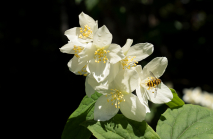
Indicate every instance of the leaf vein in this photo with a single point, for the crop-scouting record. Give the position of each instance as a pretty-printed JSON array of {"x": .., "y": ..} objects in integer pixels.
[
  {"x": 200, "y": 133},
  {"x": 174, "y": 122},
  {"x": 191, "y": 125},
  {"x": 187, "y": 124}
]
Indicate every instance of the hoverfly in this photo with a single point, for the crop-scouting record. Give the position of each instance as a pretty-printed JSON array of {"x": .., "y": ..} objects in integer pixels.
[{"x": 154, "y": 82}]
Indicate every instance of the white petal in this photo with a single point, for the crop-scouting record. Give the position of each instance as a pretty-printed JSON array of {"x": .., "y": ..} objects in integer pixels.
[
  {"x": 104, "y": 110},
  {"x": 197, "y": 95},
  {"x": 157, "y": 66},
  {"x": 143, "y": 97},
  {"x": 87, "y": 53},
  {"x": 101, "y": 87},
  {"x": 132, "y": 108},
  {"x": 95, "y": 28},
  {"x": 125, "y": 81},
  {"x": 139, "y": 70},
  {"x": 102, "y": 37},
  {"x": 126, "y": 47},
  {"x": 68, "y": 48},
  {"x": 85, "y": 19},
  {"x": 75, "y": 66},
  {"x": 164, "y": 94},
  {"x": 72, "y": 34},
  {"x": 114, "y": 69},
  {"x": 115, "y": 54},
  {"x": 140, "y": 50},
  {"x": 88, "y": 88},
  {"x": 187, "y": 95},
  {"x": 99, "y": 70}
]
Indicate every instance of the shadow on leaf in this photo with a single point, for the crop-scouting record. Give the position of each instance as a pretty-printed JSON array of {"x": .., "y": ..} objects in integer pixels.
[
  {"x": 162, "y": 118},
  {"x": 119, "y": 127},
  {"x": 73, "y": 129}
]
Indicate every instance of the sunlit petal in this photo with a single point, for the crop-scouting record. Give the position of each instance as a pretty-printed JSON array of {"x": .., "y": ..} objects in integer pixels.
[
  {"x": 115, "y": 53},
  {"x": 87, "y": 53},
  {"x": 126, "y": 47},
  {"x": 132, "y": 108},
  {"x": 140, "y": 51},
  {"x": 102, "y": 37},
  {"x": 164, "y": 95},
  {"x": 85, "y": 19},
  {"x": 126, "y": 80},
  {"x": 104, "y": 110},
  {"x": 72, "y": 33},
  {"x": 157, "y": 66},
  {"x": 68, "y": 48},
  {"x": 139, "y": 70},
  {"x": 101, "y": 87},
  {"x": 99, "y": 70},
  {"x": 76, "y": 67},
  {"x": 143, "y": 97}
]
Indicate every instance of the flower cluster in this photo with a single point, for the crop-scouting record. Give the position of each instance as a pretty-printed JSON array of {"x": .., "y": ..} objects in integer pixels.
[
  {"x": 197, "y": 96},
  {"x": 112, "y": 70}
]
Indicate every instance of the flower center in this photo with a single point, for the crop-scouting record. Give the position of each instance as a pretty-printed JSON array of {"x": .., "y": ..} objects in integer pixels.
[
  {"x": 86, "y": 32},
  {"x": 128, "y": 62},
  {"x": 83, "y": 71},
  {"x": 116, "y": 97},
  {"x": 77, "y": 50},
  {"x": 100, "y": 55}
]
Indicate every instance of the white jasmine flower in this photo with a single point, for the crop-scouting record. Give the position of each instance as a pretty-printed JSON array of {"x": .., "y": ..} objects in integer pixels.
[
  {"x": 74, "y": 65},
  {"x": 80, "y": 37},
  {"x": 100, "y": 54},
  {"x": 207, "y": 100},
  {"x": 135, "y": 53},
  {"x": 147, "y": 84},
  {"x": 192, "y": 95},
  {"x": 117, "y": 95},
  {"x": 196, "y": 96}
]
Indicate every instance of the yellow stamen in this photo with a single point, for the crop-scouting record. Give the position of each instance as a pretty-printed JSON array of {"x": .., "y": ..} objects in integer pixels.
[
  {"x": 116, "y": 97},
  {"x": 83, "y": 71},
  {"x": 86, "y": 32},
  {"x": 100, "y": 55},
  {"x": 128, "y": 62},
  {"x": 77, "y": 50}
]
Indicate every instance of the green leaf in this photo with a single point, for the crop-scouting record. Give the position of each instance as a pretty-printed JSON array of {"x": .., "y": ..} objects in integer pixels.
[
  {"x": 120, "y": 127},
  {"x": 187, "y": 122},
  {"x": 84, "y": 112},
  {"x": 176, "y": 101}
]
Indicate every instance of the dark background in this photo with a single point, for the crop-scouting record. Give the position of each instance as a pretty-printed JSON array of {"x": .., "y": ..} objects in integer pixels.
[{"x": 39, "y": 90}]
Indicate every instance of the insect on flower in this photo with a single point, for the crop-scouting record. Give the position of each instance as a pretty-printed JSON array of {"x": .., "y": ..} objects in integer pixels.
[
  {"x": 154, "y": 82},
  {"x": 146, "y": 88}
]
